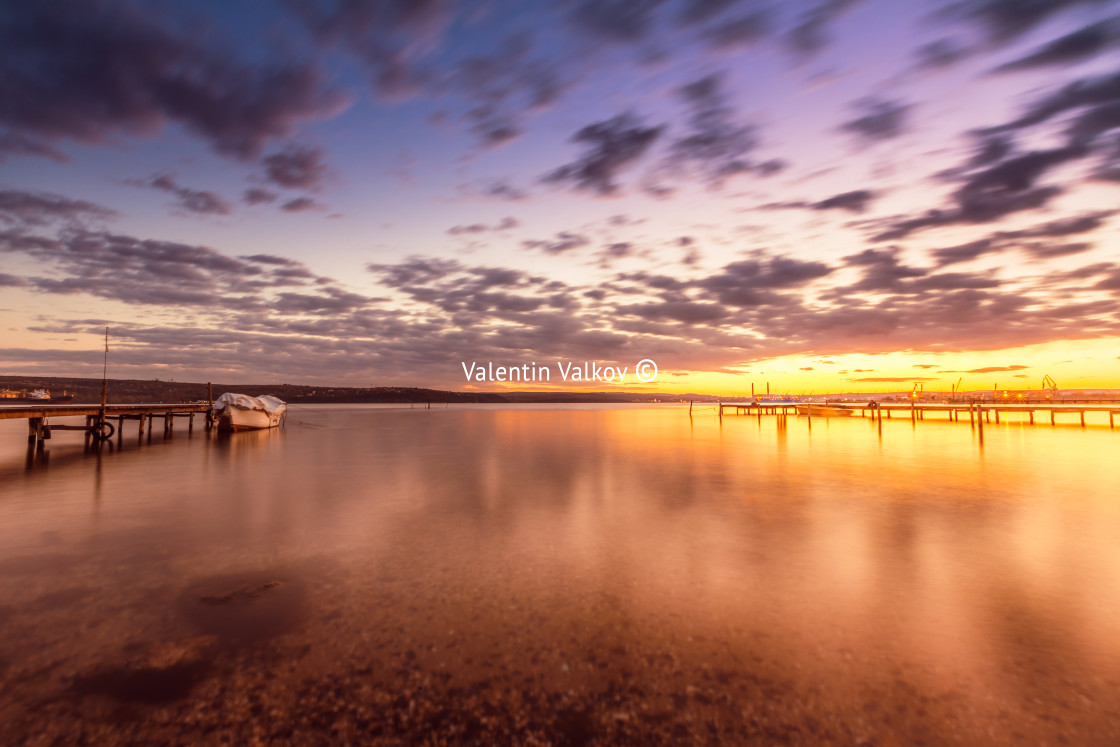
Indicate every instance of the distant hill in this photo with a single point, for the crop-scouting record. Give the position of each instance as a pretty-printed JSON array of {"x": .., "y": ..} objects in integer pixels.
[{"x": 154, "y": 390}]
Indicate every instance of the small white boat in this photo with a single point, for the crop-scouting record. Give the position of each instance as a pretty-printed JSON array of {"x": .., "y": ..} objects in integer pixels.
[
  {"x": 822, "y": 410},
  {"x": 238, "y": 412}
]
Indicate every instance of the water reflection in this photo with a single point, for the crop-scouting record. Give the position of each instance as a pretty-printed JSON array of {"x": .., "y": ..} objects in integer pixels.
[{"x": 844, "y": 577}]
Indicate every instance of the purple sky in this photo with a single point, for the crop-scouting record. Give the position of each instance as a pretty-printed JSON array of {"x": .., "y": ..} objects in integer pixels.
[{"x": 370, "y": 193}]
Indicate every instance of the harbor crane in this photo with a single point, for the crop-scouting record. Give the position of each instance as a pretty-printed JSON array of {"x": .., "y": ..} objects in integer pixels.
[{"x": 1049, "y": 386}]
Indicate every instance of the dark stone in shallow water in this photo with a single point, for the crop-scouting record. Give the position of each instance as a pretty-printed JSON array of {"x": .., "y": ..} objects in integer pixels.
[
  {"x": 247, "y": 607},
  {"x": 157, "y": 674}
]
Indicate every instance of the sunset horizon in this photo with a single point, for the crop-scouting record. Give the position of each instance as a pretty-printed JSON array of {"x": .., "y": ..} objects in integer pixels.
[{"x": 372, "y": 197}]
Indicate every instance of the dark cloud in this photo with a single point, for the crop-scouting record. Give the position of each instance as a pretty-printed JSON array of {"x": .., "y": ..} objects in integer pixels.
[
  {"x": 855, "y": 201},
  {"x": 505, "y": 224},
  {"x": 810, "y": 34},
  {"x": 939, "y": 54},
  {"x": 503, "y": 87},
  {"x": 882, "y": 271},
  {"x": 715, "y": 144},
  {"x": 1049, "y": 251},
  {"x": 11, "y": 281},
  {"x": 296, "y": 167},
  {"x": 966, "y": 252},
  {"x": 612, "y": 145},
  {"x": 389, "y": 37},
  {"x": 1071, "y": 48},
  {"x": 742, "y": 31},
  {"x": 564, "y": 241},
  {"x": 616, "y": 20},
  {"x": 13, "y": 144},
  {"x": 415, "y": 270},
  {"x": 300, "y": 205},
  {"x": 694, "y": 12},
  {"x": 1007, "y": 20},
  {"x": 924, "y": 365},
  {"x": 684, "y": 312},
  {"x": 1098, "y": 97},
  {"x": 504, "y": 191},
  {"x": 752, "y": 282},
  {"x": 59, "y": 84},
  {"x": 991, "y": 193},
  {"x": 257, "y": 196},
  {"x": 198, "y": 201},
  {"x": 877, "y": 119},
  {"x": 41, "y": 208}
]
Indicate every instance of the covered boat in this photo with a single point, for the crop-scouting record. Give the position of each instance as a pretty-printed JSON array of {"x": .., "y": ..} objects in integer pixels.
[{"x": 236, "y": 412}]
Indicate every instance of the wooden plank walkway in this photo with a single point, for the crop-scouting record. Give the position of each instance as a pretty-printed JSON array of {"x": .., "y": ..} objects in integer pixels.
[{"x": 99, "y": 426}]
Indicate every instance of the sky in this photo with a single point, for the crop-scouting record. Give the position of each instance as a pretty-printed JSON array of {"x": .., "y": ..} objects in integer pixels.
[{"x": 822, "y": 195}]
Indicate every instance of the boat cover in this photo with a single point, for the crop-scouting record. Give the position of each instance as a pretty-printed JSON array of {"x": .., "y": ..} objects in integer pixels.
[{"x": 268, "y": 404}]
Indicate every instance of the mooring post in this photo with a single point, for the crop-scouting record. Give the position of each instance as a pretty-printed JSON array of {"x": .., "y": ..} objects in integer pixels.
[
  {"x": 190, "y": 423},
  {"x": 1082, "y": 418},
  {"x": 980, "y": 419}
]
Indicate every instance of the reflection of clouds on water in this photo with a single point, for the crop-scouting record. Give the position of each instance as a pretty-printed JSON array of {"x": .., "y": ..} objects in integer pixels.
[{"x": 459, "y": 541}]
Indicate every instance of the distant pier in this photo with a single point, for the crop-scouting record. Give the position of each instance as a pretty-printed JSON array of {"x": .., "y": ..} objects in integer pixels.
[{"x": 977, "y": 412}]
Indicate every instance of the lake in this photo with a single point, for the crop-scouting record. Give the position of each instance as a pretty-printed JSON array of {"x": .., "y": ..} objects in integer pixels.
[{"x": 563, "y": 574}]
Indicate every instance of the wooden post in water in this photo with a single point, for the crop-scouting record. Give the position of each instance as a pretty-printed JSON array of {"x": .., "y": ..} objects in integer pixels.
[
  {"x": 980, "y": 420},
  {"x": 104, "y": 386}
]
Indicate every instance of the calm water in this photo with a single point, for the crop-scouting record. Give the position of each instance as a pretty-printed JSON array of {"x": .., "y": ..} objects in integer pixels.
[{"x": 566, "y": 575}]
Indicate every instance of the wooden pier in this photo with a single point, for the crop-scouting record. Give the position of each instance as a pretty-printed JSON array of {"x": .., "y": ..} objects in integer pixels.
[
  {"x": 102, "y": 422},
  {"x": 977, "y": 412}
]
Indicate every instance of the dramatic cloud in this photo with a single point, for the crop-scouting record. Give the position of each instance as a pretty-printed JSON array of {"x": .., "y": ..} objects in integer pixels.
[
  {"x": 191, "y": 200},
  {"x": 59, "y": 84},
  {"x": 612, "y": 145},
  {"x": 296, "y": 167}
]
